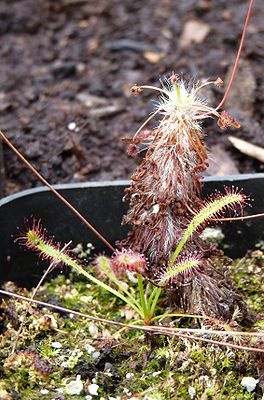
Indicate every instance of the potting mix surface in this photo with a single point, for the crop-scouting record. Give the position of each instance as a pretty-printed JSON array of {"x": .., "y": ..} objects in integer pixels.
[{"x": 67, "y": 67}]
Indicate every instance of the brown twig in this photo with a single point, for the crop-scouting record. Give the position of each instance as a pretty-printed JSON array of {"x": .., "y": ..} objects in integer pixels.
[{"x": 154, "y": 329}]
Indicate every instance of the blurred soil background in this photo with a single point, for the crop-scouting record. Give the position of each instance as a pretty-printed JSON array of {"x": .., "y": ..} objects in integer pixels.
[{"x": 66, "y": 68}]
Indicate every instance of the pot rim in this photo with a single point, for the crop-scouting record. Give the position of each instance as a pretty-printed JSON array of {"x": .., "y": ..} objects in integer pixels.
[{"x": 120, "y": 182}]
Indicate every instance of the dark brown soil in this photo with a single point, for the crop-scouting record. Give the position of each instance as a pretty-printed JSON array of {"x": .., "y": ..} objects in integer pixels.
[{"x": 67, "y": 66}]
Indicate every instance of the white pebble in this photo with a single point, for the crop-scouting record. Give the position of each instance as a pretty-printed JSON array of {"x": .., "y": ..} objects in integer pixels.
[
  {"x": 72, "y": 126},
  {"x": 44, "y": 391},
  {"x": 93, "y": 330},
  {"x": 90, "y": 349},
  {"x": 129, "y": 375},
  {"x": 93, "y": 389},
  {"x": 74, "y": 387},
  {"x": 192, "y": 392},
  {"x": 96, "y": 355},
  {"x": 56, "y": 345},
  {"x": 213, "y": 234},
  {"x": 249, "y": 383},
  {"x": 86, "y": 299}
]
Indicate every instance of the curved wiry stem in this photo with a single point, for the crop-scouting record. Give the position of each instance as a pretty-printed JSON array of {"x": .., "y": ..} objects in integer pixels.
[
  {"x": 237, "y": 56},
  {"x": 145, "y": 122},
  {"x": 237, "y": 218},
  {"x": 46, "y": 183},
  {"x": 153, "y": 88}
]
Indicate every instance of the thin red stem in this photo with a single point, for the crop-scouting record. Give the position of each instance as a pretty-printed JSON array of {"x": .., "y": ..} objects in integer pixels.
[
  {"x": 237, "y": 218},
  {"x": 46, "y": 183},
  {"x": 237, "y": 57}
]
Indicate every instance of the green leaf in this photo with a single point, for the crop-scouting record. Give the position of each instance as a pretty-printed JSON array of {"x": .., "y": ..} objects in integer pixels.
[{"x": 209, "y": 210}]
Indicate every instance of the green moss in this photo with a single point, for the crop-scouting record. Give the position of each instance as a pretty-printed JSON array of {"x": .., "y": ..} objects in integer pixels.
[
  {"x": 248, "y": 274},
  {"x": 122, "y": 363}
]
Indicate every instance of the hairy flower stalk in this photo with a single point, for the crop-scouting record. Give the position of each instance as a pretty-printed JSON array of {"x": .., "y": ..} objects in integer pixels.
[
  {"x": 165, "y": 195},
  {"x": 167, "y": 183}
]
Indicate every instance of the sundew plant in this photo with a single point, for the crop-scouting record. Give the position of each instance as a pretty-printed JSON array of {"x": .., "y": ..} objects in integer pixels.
[
  {"x": 164, "y": 250},
  {"x": 167, "y": 215}
]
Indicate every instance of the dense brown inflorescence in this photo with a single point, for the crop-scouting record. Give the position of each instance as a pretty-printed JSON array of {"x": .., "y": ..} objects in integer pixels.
[
  {"x": 166, "y": 185},
  {"x": 164, "y": 188},
  {"x": 164, "y": 194}
]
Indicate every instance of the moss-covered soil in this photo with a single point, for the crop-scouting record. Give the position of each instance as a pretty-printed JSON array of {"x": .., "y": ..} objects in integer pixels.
[{"x": 60, "y": 356}]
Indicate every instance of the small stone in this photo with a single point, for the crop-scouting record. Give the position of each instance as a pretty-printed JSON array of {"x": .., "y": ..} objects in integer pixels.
[
  {"x": 157, "y": 373},
  {"x": 129, "y": 375},
  {"x": 44, "y": 391},
  {"x": 72, "y": 126},
  {"x": 192, "y": 392},
  {"x": 212, "y": 234},
  {"x": 90, "y": 349},
  {"x": 86, "y": 299},
  {"x": 62, "y": 70},
  {"x": 93, "y": 389},
  {"x": 81, "y": 67},
  {"x": 106, "y": 111},
  {"x": 257, "y": 254},
  {"x": 56, "y": 345},
  {"x": 194, "y": 31},
  {"x": 96, "y": 355},
  {"x": 249, "y": 383},
  {"x": 78, "y": 249},
  {"x": 91, "y": 101},
  {"x": 93, "y": 330},
  {"x": 153, "y": 57},
  {"x": 74, "y": 387},
  {"x": 108, "y": 366}
]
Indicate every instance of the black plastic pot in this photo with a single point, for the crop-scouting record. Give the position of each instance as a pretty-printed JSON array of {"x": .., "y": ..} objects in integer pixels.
[{"x": 101, "y": 203}]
